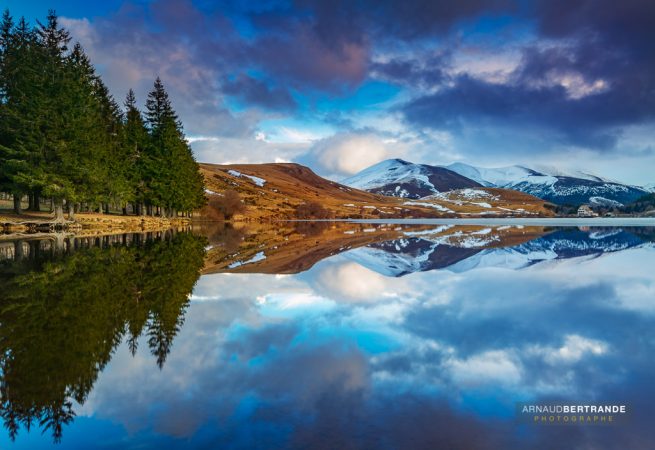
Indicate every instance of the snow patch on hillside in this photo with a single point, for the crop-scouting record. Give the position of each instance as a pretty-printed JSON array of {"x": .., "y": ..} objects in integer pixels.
[
  {"x": 601, "y": 201},
  {"x": 258, "y": 181},
  {"x": 258, "y": 257},
  {"x": 436, "y": 206}
]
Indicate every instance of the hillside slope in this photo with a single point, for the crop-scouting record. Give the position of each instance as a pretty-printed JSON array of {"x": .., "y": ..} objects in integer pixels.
[{"x": 274, "y": 191}]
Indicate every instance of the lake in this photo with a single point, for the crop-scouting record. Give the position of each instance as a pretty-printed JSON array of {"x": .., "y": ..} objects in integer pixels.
[{"x": 329, "y": 335}]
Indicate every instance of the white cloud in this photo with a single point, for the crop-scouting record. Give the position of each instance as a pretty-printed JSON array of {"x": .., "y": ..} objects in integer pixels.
[
  {"x": 348, "y": 153},
  {"x": 575, "y": 348},
  {"x": 352, "y": 282},
  {"x": 495, "y": 366},
  {"x": 225, "y": 150}
]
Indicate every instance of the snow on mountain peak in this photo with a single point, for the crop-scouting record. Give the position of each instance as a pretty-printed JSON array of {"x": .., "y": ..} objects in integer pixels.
[
  {"x": 502, "y": 176},
  {"x": 405, "y": 179},
  {"x": 382, "y": 173}
]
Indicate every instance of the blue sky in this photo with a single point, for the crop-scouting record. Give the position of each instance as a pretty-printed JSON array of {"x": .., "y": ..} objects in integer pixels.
[{"x": 340, "y": 85}]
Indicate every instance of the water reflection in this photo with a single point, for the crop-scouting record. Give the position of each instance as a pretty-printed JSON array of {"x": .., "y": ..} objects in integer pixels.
[
  {"x": 397, "y": 250},
  {"x": 359, "y": 336},
  {"x": 67, "y": 303}
]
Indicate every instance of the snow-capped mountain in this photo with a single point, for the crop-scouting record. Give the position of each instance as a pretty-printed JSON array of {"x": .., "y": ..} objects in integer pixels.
[
  {"x": 553, "y": 186},
  {"x": 399, "y": 178},
  {"x": 418, "y": 253},
  {"x": 650, "y": 187}
]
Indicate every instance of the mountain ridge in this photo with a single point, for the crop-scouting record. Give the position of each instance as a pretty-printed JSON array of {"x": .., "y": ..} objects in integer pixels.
[{"x": 556, "y": 186}]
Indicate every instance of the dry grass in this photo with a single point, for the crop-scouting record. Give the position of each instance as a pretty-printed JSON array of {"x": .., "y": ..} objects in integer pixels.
[{"x": 289, "y": 185}]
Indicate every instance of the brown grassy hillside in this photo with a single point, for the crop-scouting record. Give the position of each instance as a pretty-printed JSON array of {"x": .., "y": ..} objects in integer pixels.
[{"x": 274, "y": 191}]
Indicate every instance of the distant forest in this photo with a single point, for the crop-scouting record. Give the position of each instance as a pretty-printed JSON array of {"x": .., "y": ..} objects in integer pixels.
[{"x": 63, "y": 137}]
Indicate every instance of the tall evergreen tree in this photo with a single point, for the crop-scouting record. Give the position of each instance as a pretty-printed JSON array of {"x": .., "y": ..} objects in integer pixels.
[
  {"x": 56, "y": 111},
  {"x": 177, "y": 186},
  {"x": 19, "y": 126},
  {"x": 136, "y": 143}
]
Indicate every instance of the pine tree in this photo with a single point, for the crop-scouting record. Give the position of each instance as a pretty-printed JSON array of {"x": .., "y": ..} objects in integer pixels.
[
  {"x": 136, "y": 144},
  {"x": 19, "y": 130},
  {"x": 178, "y": 186},
  {"x": 56, "y": 111}
]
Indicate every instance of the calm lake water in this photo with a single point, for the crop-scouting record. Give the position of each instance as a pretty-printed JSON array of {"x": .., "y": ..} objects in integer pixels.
[{"x": 319, "y": 335}]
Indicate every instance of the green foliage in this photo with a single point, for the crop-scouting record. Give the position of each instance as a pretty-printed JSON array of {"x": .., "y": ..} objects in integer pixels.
[
  {"x": 62, "y": 134},
  {"x": 63, "y": 316},
  {"x": 177, "y": 183}
]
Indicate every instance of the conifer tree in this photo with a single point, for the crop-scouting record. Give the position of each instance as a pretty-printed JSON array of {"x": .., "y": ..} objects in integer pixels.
[{"x": 136, "y": 144}]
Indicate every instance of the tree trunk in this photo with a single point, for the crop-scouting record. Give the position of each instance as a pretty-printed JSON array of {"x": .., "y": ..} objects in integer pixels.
[
  {"x": 125, "y": 210},
  {"x": 17, "y": 205},
  {"x": 106, "y": 208},
  {"x": 35, "y": 249},
  {"x": 71, "y": 211},
  {"x": 37, "y": 201},
  {"x": 59, "y": 209},
  {"x": 30, "y": 201}
]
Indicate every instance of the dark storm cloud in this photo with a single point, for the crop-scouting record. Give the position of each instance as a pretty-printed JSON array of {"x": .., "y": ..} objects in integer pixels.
[
  {"x": 406, "y": 20},
  {"x": 419, "y": 70},
  {"x": 255, "y": 92},
  {"x": 310, "y": 44},
  {"x": 589, "y": 121},
  {"x": 607, "y": 48}
]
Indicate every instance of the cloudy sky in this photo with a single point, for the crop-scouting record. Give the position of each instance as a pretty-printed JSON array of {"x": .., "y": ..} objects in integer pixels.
[{"x": 342, "y": 84}]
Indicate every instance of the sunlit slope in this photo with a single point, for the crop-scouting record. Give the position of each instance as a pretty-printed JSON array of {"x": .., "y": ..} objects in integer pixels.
[{"x": 275, "y": 190}]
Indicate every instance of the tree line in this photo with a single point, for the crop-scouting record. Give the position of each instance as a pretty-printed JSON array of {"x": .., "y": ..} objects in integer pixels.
[{"x": 64, "y": 137}]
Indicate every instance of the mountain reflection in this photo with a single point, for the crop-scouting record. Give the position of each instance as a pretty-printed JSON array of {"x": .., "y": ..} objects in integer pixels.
[
  {"x": 67, "y": 303},
  {"x": 397, "y": 250}
]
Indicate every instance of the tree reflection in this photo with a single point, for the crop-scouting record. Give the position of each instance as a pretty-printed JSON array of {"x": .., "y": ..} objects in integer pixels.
[{"x": 66, "y": 305}]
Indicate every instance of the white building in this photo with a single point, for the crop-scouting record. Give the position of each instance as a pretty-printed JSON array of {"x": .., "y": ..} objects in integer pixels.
[{"x": 586, "y": 211}]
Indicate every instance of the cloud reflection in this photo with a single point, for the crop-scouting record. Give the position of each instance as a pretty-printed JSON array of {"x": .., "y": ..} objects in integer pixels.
[{"x": 340, "y": 356}]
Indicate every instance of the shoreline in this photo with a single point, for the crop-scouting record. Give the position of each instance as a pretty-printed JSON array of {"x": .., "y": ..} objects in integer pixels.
[
  {"x": 43, "y": 223},
  {"x": 526, "y": 221}
]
